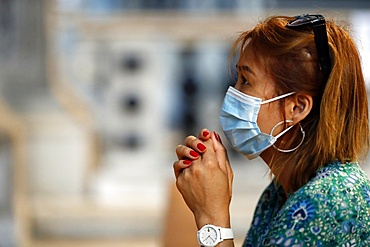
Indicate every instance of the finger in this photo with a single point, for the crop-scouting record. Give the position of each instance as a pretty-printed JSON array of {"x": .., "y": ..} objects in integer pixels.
[
  {"x": 204, "y": 134},
  {"x": 179, "y": 166},
  {"x": 221, "y": 155},
  {"x": 195, "y": 144},
  {"x": 184, "y": 152},
  {"x": 220, "y": 151}
]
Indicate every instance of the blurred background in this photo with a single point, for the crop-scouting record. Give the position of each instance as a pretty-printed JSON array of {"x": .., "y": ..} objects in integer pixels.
[{"x": 96, "y": 94}]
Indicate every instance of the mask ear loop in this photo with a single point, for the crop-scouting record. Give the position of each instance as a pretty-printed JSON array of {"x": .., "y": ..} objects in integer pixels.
[{"x": 283, "y": 132}]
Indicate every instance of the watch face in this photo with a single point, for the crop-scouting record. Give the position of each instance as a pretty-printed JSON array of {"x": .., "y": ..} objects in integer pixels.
[{"x": 208, "y": 236}]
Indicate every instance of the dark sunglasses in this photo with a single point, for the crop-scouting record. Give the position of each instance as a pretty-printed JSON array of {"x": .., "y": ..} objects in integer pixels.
[{"x": 318, "y": 24}]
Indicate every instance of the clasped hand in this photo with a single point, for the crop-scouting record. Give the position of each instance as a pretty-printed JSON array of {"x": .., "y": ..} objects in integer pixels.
[{"x": 204, "y": 178}]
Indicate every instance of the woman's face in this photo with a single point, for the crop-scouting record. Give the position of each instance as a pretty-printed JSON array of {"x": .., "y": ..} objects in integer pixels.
[{"x": 254, "y": 80}]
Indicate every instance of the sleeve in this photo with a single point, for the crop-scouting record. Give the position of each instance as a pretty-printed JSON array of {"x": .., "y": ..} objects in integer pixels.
[{"x": 263, "y": 214}]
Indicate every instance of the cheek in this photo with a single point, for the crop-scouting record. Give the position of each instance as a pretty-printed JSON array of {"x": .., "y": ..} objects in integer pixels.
[{"x": 268, "y": 117}]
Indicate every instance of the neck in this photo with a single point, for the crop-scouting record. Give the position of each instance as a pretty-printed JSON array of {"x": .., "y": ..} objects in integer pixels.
[{"x": 284, "y": 177}]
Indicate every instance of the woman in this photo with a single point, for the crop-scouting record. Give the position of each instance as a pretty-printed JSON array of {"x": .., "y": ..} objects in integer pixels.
[{"x": 299, "y": 103}]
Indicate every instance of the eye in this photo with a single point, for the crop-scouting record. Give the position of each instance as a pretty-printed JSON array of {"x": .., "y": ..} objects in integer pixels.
[
  {"x": 241, "y": 79},
  {"x": 244, "y": 80}
]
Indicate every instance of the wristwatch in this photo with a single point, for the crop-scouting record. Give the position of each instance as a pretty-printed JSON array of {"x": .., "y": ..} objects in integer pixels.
[{"x": 210, "y": 235}]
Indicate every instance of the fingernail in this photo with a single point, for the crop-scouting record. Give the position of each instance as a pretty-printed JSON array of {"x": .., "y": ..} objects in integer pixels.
[
  {"x": 194, "y": 154},
  {"x": 201, "y": 147},
  {"x": 187, "y": 162},
  {"x": 217, "y": 136},
  {"x": 205, "y": 133}
]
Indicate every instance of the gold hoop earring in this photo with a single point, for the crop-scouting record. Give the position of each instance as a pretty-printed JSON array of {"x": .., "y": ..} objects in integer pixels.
[{"x": 293, "y": 149}]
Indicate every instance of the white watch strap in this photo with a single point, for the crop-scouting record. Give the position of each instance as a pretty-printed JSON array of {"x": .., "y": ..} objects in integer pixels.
[{"x": 226, "y": 233}]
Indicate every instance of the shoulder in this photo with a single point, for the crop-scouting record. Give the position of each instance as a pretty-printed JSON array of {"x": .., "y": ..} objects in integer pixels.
[
  {"x": 331, "y": 209},
  {"x": 335, "y": 179}
]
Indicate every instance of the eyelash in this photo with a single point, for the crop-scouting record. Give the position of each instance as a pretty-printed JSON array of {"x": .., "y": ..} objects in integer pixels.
[
  {"x": 241, "y": 77},
  {"x": 245, "y": 81}
]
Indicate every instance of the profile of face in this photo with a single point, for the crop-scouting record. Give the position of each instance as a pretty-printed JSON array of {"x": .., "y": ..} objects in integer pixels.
[{"x": 254, "y": 80}]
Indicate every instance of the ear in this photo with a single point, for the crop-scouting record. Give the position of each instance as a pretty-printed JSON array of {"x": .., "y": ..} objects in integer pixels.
[{"x": 298, "y": 107}]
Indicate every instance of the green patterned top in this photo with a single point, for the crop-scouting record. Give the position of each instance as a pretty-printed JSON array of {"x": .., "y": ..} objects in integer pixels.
[{"x": 332, "y": 209}]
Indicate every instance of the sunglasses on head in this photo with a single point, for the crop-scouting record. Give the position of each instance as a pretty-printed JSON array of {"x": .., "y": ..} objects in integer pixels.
[{"x": 318, "y": 24}]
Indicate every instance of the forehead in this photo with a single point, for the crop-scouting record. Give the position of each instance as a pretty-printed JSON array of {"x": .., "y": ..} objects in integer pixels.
[
  {"x": 253, "y": 68},
  {"x": 253, "y": 62}
]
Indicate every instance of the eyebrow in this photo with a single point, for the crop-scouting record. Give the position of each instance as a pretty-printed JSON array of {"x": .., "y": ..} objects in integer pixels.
[{"x": 246, "y": 68}]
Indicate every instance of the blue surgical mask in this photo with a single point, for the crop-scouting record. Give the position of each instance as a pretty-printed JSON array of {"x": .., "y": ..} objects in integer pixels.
[{"x": 239, "y": 122}]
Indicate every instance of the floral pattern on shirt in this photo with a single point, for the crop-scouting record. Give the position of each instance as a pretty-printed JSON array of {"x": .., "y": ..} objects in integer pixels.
[{"x": 333, "y": 209}]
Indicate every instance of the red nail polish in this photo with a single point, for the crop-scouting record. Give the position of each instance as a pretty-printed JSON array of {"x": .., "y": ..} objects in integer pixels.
[
  {"x": 187, "y": 162},
  {"x": 205, "y": 133},
  {"x": 216, "y": 136},
  {"x": 194, "y": 154},
  {"x": 219, "y": 138},
  {"x": 201, "y": 147}
]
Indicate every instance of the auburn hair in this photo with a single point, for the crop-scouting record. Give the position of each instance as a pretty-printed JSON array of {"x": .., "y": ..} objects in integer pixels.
[{"x": 337, "y": 127}]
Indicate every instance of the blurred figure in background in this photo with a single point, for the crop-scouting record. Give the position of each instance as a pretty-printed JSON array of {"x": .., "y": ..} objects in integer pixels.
[{"x": 300, "y": 104}]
